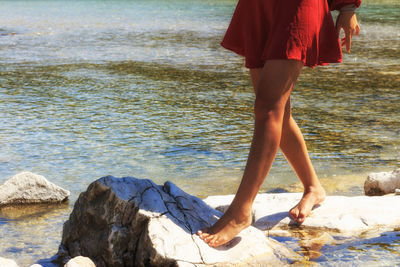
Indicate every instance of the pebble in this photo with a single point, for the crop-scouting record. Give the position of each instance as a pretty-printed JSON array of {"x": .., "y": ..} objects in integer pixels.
[
  {"x": 7, "y": 263},
  {"x": 80, "y": 261}
]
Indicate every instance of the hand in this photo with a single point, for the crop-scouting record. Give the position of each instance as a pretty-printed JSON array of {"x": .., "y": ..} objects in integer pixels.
[{"x": 348, "y": 22}]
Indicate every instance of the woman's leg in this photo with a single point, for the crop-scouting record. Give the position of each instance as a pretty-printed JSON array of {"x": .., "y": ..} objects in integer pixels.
[
  {"x": 275, "y": 84},
  {"x": 294, "y": 148}
]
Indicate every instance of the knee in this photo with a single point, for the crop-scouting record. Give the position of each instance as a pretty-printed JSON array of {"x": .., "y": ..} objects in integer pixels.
[
  {"x": 272, "y": 111},
  {"x": 287, "y": 118}
]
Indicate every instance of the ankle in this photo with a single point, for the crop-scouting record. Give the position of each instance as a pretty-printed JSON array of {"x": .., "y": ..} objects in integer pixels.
[
  {"x": 317, "y": 191},
  {"x": 243, "y": 211},
  {"x": 241, "y": 214},
  {"x": 315, "y": 187}
]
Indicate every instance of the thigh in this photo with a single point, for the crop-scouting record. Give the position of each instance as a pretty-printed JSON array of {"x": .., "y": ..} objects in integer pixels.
[
  {"x": 255, "y": 76},
  {"x": 276, "y": 80}
]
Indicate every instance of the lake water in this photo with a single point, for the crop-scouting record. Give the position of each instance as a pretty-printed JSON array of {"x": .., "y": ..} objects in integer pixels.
[{"x": 142, "y": 88}]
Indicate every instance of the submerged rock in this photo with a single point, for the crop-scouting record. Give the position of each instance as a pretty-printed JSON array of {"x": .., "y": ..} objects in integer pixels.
[
  {"x": 132, "y": 222},
  {"x": 342, "y": 215},
  {"x": 381, "y": 183},
  {"x": 30, "y": 188},
  {"x": 7, "y": 263},
  {"x": 6, "y": 32}
]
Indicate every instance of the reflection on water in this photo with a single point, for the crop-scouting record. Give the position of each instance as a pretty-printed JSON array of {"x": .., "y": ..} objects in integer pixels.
[
  {"x": 327, "y": 249},
  {"x": 142, "y": 88},
  {"x": 32, "y": 212},
  {"x": 29, "y": 233}
]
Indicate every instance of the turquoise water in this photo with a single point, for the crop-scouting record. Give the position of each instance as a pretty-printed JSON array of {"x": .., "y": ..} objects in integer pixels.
[{"x": 142, "y": 88}]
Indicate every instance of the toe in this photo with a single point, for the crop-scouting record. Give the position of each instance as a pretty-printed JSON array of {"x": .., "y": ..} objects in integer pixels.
[
  {"x": 214, "y": 242},
  {"x": 220, "y": 241},
  {"x": 301, "y": 217},
  {"x": 203, "y": 233},
  {"x": 294, "y": 214},
  {"x": 204, "y": 236},
  {"x": 209, "y": 238}
]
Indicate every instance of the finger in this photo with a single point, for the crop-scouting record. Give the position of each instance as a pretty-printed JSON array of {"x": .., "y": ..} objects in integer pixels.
[
  {"x": 348, "y": 42},
  {"x": 357, "y": 30}
]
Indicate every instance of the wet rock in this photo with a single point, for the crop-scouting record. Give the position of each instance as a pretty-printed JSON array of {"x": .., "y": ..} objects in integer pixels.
[
  {"x": 7, "y": 263},
  {"x": 30, "y": 188},
  {"x": 278, "y": 190},
  {"x": 133, "y": 222},
  {"x": 342, "y": 215},
  {"x": 6, "y": 32},
  {"x": 378, "y": 184},
  {"x": 80, "y": 262}
]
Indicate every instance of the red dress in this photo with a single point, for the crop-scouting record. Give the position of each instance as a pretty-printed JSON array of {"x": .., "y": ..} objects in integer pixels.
[{"x": 285, "y": 29}]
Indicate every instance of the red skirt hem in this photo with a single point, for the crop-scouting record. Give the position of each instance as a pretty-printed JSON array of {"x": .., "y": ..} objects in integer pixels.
[{"x": 240, "y": 52}]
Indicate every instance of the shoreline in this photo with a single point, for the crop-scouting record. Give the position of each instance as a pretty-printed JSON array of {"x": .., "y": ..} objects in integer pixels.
[{"x": 42, "y": 217}]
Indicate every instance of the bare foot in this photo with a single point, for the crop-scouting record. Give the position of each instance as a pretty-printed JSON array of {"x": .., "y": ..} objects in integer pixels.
[
  {"x": 310, "y": 198},
  {"x": 226, "y": 228}
]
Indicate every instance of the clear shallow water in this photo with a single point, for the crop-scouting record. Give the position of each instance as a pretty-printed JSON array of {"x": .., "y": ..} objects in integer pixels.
[{"x": 142, "y": 88}]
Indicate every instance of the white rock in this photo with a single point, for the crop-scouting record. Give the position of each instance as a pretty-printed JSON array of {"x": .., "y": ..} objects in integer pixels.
[
  {"x": 36, "y": 265},
  {"x": 128, "y": 221},
  {"x": 29, "y": 188},
  {"x": 80, "y": 261},
  {"x": 7, "y": 263},
  {"x": 344, "y": 215},
  {"x": 382, "y": 183}
]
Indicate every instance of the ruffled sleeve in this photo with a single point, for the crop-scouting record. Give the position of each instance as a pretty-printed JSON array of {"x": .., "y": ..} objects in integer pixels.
[{"x": 338, "y": 4}]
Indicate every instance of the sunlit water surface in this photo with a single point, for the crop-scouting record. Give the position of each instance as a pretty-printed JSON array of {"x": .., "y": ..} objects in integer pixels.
[{"x": 142, "y": 88}]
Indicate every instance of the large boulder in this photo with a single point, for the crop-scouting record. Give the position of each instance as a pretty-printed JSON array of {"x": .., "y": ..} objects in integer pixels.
[
  {"x": 133, "y": 222},
  {"x": 30, "y": 188},
  {"x": 346, "y": 216},
  {"x": 381, "y": 183}
]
